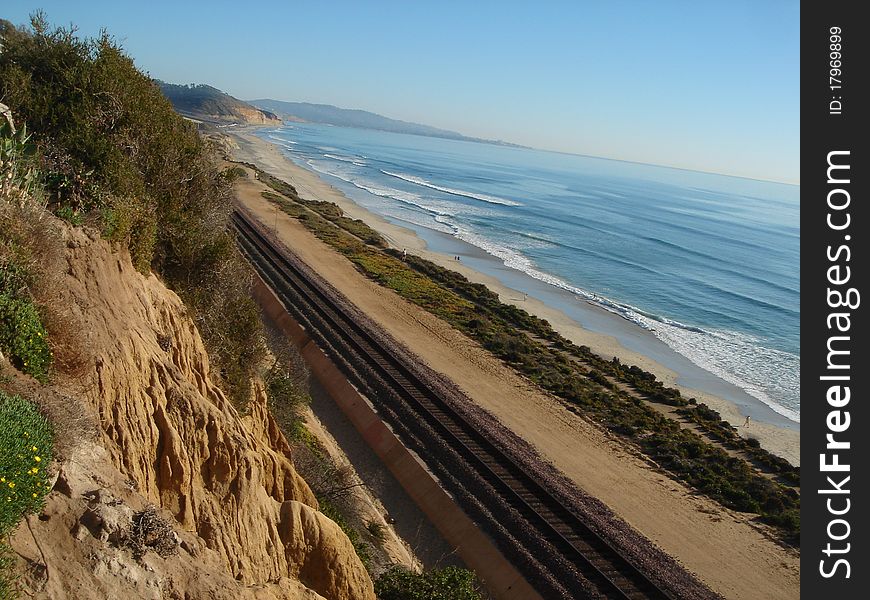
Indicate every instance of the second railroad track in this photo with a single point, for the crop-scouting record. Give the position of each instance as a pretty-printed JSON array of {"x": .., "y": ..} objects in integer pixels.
[{"x": 551, "y": 544}]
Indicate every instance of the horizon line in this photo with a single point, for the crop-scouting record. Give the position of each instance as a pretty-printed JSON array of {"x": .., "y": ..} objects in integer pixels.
[{"x": 516, "y": 145}]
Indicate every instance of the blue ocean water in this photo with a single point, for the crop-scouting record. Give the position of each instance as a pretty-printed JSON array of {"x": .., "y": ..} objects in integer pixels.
[{"x": 707, "y": 263}]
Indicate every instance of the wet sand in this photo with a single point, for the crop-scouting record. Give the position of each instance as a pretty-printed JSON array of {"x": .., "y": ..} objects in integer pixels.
[
  {"x": 727, "y": 550},
  {"x": 581, "y": 322}
]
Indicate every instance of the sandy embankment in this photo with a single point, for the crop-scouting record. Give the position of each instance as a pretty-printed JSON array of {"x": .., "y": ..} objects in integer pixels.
[
  {"x": 781, "y": 441},
  {"x": 725, "y": 549}
]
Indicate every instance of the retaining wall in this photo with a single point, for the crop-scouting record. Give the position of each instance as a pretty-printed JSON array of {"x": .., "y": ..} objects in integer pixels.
[{"x": 476, "y": 548}]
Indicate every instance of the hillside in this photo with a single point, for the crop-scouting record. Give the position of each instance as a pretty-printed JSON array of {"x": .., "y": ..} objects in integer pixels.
[
  {"x": 237, "y": 519},
  {"x": 150, "y": 425},
  {"x": 362, "y": 119},
  {"x": 138, "y": 451},
  {"x": 326, "y": 113},
  {"x": 210, "y": 104}
]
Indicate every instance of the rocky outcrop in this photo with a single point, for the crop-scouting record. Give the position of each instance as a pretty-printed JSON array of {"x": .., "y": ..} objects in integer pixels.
[
  {"x": 252, "y": 115},
  {"x": 228, "y": 480},
  {"x": 210, "y": 104},
  {"x": 79, "y": 546}
]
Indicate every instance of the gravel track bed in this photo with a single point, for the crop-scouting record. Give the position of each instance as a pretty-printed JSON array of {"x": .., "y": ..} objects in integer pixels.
[{"x": 534, "y": 556}]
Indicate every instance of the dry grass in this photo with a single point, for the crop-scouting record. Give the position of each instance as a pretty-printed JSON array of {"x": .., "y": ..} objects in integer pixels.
[
  {"x": 150, "y": 531},
  {"x": 72, "y": 419},
  {"x": 32, "y": 240}
]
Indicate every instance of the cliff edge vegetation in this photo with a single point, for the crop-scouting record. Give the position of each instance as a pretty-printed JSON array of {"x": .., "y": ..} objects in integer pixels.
[
  {"x": 135, "y": 415},
  {"x": 111, "y": 153},
  {"x": 139, "y": 454},
  {"x": 211, "y": 104}
]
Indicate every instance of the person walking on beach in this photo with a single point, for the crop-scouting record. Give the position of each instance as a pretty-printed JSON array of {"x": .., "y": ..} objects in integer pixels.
[
  {"x": 404, "y": 254},
  {"x": 746, "y": 423}
]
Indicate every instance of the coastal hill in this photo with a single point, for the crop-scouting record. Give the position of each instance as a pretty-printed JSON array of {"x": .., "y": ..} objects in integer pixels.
[
  {"x": 362, "y": 119},
  {"x": 154, "y": 437},
  {"x": 204, "y": 102}
]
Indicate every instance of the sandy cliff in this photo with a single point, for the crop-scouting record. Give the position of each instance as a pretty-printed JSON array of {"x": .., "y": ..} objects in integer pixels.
[
  {"x": 256, "y": 116},
  {"x": 246, "y": 522}
]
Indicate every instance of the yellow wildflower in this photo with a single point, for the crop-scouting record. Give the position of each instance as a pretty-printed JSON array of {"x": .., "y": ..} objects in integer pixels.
[
  {"x": 12, "y": 484},
  {"x": 37, "y": 459}
]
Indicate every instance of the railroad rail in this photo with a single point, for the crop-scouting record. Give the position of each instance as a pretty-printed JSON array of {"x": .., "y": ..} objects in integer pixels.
[{"x": 328, "y": 321}]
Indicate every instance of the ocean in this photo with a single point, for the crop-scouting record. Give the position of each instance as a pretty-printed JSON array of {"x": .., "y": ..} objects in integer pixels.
[{"x": 708, "y": 264}]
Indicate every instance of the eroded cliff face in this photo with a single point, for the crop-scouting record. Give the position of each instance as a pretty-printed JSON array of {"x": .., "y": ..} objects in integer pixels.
[
  {"x": 241, "y": 113},
  {"x": 258, "y": 116},
  {"x": 175, "y": 441}
]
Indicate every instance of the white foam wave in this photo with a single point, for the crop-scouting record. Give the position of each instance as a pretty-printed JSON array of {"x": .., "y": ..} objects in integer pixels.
[
  {"x": 737, "y": 358},
  {"x": 281, "y": 141},
  {"x": 353, "y": 161},
  {"x": 439, "y": 223},
  {"x": 455, "y": 192},
  {"x": 405, "y": 197}
]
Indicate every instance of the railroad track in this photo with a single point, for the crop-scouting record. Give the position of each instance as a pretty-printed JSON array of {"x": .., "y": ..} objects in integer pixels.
[{"x": 612, "y": 575}]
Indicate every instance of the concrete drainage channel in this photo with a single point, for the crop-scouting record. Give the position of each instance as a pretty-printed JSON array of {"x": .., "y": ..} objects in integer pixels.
[{"x": 475, "y": 548}]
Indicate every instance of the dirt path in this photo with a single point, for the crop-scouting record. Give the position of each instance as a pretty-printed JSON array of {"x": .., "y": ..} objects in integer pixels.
[{"x": 725, "y": 550}]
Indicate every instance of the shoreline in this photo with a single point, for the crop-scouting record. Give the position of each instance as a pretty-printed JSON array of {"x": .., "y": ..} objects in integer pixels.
[
  {"x": 730, "y": 551},
  {"x": 605, "y": 333}
]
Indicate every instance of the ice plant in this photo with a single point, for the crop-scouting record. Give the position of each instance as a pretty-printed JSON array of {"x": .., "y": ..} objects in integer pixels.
[{"x": 25, "y": 443}]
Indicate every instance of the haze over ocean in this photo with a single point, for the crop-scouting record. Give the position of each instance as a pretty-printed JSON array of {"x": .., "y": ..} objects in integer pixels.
[{"x": 707, "y": 263}]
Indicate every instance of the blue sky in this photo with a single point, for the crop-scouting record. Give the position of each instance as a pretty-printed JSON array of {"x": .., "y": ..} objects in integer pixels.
[{"x": 712, "y": 86}]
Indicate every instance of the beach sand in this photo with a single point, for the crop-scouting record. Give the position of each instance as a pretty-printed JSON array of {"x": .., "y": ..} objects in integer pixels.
[
  {"x": 727, "y": 550},
  {"x": 783, "y": 441}
]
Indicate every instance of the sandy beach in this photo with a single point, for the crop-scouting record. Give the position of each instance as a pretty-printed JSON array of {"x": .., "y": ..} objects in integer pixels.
[
  {"x": 774, "y": 433},
  {"x": 727, "y": 550}
]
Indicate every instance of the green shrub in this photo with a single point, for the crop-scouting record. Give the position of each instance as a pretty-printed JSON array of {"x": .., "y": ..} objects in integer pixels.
[
  {"x": 449, "y": 583},
  {"x": 112, "y": 147},
  {"x": 14, "y": 279},
  {"x": 378, "y": 531},
  {"x": 23, "y": 338},
  {"x": 298, "y": 432},
  {"x": 132, "y": 223},
  {"x": 25, "y": 454},
  {"x": 574, "y": 373},
  {"x": 70, "y": 215},
  {"x": 287, "y": 394},
  {"x": 233, "y": 173},
  {"x": 7, "y": 573}
]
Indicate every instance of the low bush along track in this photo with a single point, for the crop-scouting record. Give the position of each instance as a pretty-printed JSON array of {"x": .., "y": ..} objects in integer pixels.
[{"x": 491, "y": 475}]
